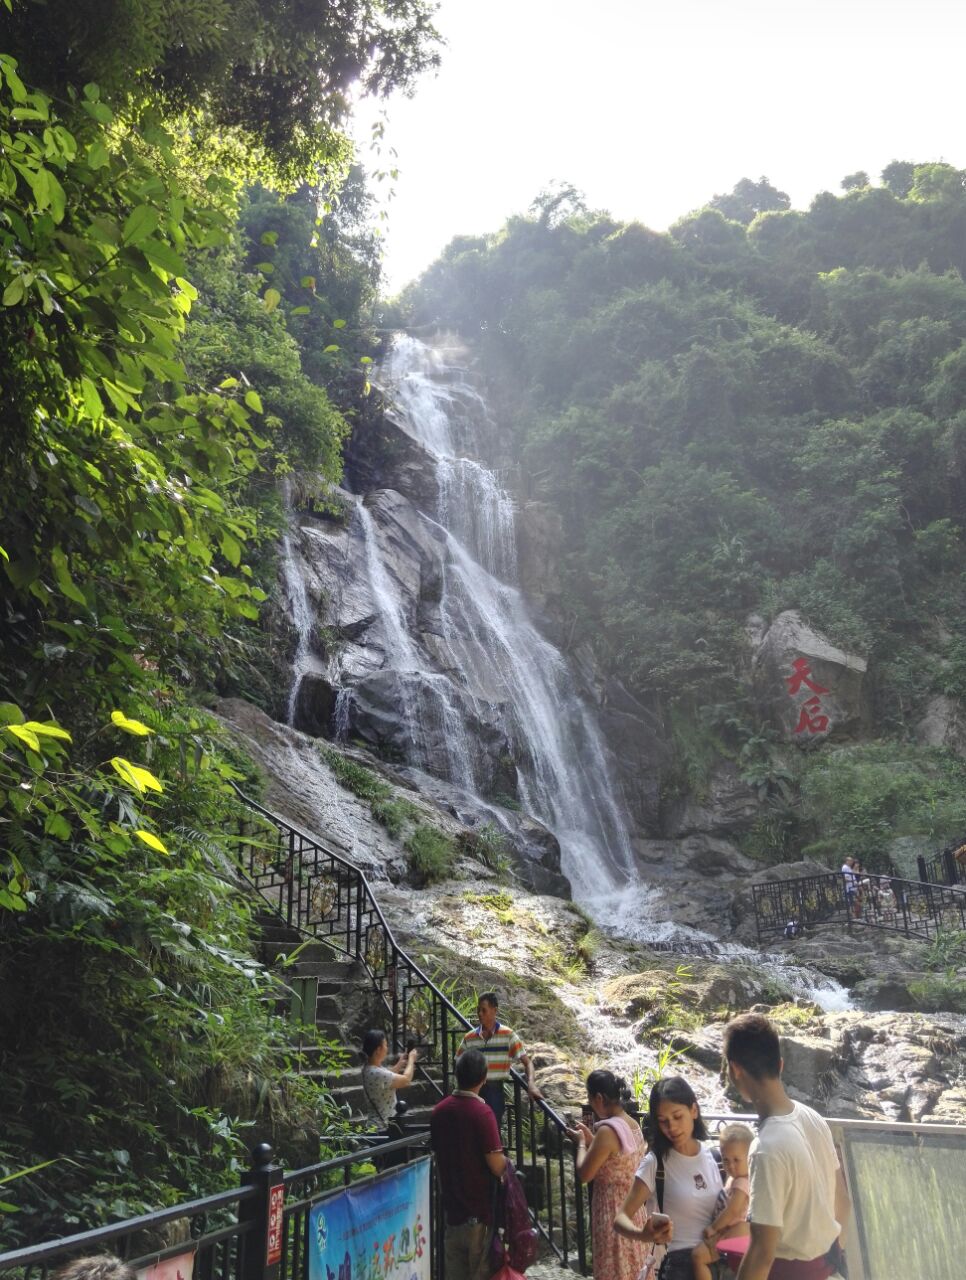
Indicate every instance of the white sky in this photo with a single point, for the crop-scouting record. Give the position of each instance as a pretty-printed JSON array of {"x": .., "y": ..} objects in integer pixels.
[{"x": 651, "y": 106}]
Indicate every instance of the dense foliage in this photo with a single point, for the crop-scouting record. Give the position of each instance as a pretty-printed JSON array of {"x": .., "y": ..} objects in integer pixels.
[
  {"x": 762, "y": 409},
  {"x": 170, "y": 346},
  {"x": 739, "y": 417},
  {"x": 270, "y": 82}
]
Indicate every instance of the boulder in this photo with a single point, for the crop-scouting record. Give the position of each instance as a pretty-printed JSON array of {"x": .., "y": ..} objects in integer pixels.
[
  {"x": 634, "y": 994},
  {"x": 943, "y": 724},
  {"x": 806, "y": 686},
  {"x": 809, "y": 1065}
]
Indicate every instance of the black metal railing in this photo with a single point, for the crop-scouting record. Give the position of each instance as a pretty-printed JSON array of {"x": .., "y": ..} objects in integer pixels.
[
  {"x": 216, "y": 1229},
  {"x": 944, "y": 867},
  {"x": 911, "y": 907},
  {"x": 321, "y": 894},
  {"x": 229, "y": 1233}
]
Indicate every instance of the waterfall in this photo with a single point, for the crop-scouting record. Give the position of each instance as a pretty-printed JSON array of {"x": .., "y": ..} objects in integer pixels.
[
  {"x": 299, "y": 609},
  {"x": 564, "y": 776}
]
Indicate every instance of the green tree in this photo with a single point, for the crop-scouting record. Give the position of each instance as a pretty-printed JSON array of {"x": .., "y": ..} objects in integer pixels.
[
  {"x": 279, "y": 75},
  {"x": 747, "y": 199}
]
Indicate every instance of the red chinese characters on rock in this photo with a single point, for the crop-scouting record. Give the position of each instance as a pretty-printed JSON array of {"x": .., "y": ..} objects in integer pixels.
[{"x": 812, "y": 719}]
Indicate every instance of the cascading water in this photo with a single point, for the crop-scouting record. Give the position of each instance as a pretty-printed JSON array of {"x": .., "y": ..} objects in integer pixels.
[
  {"x": 501, "y": 659},
  {"x": 301, "y": 613}
]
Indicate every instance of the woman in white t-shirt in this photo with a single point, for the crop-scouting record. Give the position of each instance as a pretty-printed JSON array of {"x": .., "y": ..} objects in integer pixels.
[
  {"x": 689, "y": 1171},
  {"x": 379, "y": 1083}
]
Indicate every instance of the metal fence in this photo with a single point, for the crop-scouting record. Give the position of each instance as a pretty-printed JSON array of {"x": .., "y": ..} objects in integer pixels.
[
  {"x": 944, "y": 867},
  {"x": 910, "y": 907},
  {"x": 318, "y": 892},
  {"x": 258, "y": 1231}
]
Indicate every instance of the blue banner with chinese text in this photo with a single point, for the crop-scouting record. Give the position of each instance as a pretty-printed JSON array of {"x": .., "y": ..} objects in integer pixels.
[{"x": 376, "y": 1231}]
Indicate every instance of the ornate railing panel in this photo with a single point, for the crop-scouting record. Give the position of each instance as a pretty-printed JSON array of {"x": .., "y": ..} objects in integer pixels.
[{"x": 910, "y": 907}]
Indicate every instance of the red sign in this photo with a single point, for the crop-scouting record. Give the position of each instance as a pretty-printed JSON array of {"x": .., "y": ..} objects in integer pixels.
[{"x": 276, "y": 1205}]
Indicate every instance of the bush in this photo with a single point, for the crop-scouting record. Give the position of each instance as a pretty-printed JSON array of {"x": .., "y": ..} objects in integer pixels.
[{"x": 432, "y": 854}]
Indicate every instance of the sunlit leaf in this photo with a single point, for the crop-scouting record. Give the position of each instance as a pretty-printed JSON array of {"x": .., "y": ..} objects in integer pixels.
[
  {"x": 151, "y": 840},
  {"x": 140, "y": 779},
  {"x": 140, "y": 223},
  {"x": 47, "y": 729},
  {"x": 135, "y": 727},
  {"x": 24, "y": 734}
]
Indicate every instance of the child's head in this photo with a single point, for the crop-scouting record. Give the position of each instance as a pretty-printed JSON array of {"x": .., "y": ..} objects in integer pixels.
[{"x": 735, "y": 1140}]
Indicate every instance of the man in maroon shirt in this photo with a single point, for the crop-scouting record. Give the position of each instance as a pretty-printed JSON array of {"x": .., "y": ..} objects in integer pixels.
[{"x": 469, "y": 1155}]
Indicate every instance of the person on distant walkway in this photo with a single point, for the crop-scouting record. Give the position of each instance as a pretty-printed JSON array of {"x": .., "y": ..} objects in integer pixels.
[
  {"x": 502, "y": 1048},
  {"x": 799, "y": 1200},
  {"x": 608, "y": 1157},
  {"x": 851, "y": 884},
  {"x": 469, "y": 1155},
  {"x": 678, "y": 1177},
  {"x": 886, "y": 901},
  {"x": 726, "y": 1239},
  {"x": 101, "y": 1266},
  {"x": 379, "y": 1083}
]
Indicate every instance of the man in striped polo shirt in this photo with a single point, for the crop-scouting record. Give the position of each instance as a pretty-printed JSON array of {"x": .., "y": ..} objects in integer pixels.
[{"x": 502, "y": 1048}]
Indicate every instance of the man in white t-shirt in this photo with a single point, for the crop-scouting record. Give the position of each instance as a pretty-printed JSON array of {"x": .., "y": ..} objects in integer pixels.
[{"x": 799, "y": 1200}]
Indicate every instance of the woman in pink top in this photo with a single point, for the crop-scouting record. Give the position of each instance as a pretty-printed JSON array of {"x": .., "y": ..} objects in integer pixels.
[{"x": 608, "y": 1157}]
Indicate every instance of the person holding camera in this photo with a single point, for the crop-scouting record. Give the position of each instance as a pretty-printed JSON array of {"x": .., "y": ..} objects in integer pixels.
[{"x": 380, "y": 1084}]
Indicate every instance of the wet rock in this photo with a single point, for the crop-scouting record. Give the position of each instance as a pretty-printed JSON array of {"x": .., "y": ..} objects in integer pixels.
[
  {"x": 539, "y": 535},
  {"x": 315, "y": 705},
  {"x": 883, "y": 993},
  {"x": 728, "y": 806},
  {"x": 533, "y": 848},
  {"x": 837, "y": 684},
  {"x": 703, "y": 1046},
  {"x": 381, "y": 454},
  {"x": 809, "y": 1065}
]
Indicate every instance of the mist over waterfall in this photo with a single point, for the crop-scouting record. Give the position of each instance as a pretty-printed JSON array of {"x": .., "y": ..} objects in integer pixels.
[{"x": 444, "y": 668}]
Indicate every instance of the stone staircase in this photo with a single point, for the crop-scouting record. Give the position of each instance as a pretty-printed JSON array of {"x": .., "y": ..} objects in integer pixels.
[{"x": 318, "y": 986}]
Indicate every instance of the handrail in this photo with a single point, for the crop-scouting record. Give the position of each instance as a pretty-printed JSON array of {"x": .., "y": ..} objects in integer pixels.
[
  {"x": 918, "y": 909},
  {"x": 324, "y": 896},
  {"x": 942, "y": 868},
  {"x": 226, "y": 1249},
  {"x": 100, "y": 1235}
]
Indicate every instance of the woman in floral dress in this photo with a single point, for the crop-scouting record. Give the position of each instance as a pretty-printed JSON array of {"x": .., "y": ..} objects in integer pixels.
[{"x": 609, "y": 1157}]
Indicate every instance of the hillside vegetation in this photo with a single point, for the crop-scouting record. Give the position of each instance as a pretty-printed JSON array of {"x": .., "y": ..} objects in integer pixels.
[
  {"x": 763, "y": 409},
  {"x": 185, "y": 276}
]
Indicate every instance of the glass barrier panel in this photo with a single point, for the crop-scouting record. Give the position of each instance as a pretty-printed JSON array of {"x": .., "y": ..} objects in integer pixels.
[{"x": 909, "y": 1191}]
